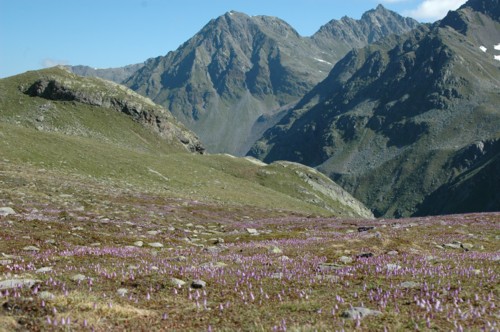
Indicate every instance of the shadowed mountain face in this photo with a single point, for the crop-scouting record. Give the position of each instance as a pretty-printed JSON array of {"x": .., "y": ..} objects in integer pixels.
[
  {"x": 391, "y": 121},
  {"x": 233, "y": 79}
]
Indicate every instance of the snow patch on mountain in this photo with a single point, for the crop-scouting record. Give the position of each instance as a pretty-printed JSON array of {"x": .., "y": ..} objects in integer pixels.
[
  {"x": 482, "y": 48},
  {"x": 497, "y": 47},
  {"x": 324, "y": 61}
]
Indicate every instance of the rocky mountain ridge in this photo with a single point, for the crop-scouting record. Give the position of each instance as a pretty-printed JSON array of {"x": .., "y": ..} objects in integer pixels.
[
  {"x": 390, "y": 120},
  {"x": 239, "y": 71}
]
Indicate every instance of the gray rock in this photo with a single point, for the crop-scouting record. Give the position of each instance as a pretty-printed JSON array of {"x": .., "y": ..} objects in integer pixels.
[
  {"x": 17, "y": 283},
  {"x": 454, "y": 245},
  {"x": 409, "y": 284},
  {"x": 78, "y": 277},
  {"x": 5, "y": 211},
  {"x": 467, "y": 246},
  {"x": 252, "y": 231},
  {"x": 346, "y": 259},
  {"x": 198, "y": 283},
  {"x": 122, "y": 291},
  {"x": 155, "y": 245},
  {"x": 393, "y": 253},
  {"x": 393, "y": 267},
  {"x": 46, "y": 296},
  {"x": 277, "y": 275},
  {"x": 31, "y": 248},
  {"x": 275, "y": 250},
  {"x": 138, "y": 243},
  {"x": 44, "y": 269},
  {"x": 177, "y": 282},
  {"x": 359, "y": 313}
]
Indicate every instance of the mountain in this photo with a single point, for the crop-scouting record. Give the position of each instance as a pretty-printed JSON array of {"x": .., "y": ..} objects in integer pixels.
[
  {"x": 88, "y": 130},
  {"x": 391, "y": 121},
  {"x": 233, "y": 79},
  {"x": 340, "y": 36},
  {"x": 117, "y": 75}
]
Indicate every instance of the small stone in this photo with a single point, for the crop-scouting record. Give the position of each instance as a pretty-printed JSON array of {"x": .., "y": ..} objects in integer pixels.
[
  {"x": 346, "y": 259},
  {"x": 138, "y": 243},
  {"x": 476, "y": 272},
  {"x": 393, "y": 253},
  {"x": 155, "y": 245},
  {"x": 31, "y": 248},
  {"x": 453, "y": 245},
  {"x": 180, "y": 259},
  {"x": 5, "y": 211},
  {"x": 329, "y": 267},
  {"x": 5, "y": 261},
  {"x": 78, "y": 277},
  {"x": 50, "y": 241},
  {"x": 275, "y": 250},
  {"x": 277, "y": 275},
  {"x": 252, "y": 231},
  {"x": 46, "y": 296},
  {"x": 177, "y": 282},
  {"x": 153, "y": 232},
  {"x": 122, "y": 291},
  {"x": 393, "y": 267},
  {"x": 17, "y": 283},
  {"x": 467, "y": 246},
  {"x": 359, "y": 313},
  {"x": 44, "y": 269},
  {"x": 409, "y": 284},
  {"x": 365, "y": 228},
  {"x": 198, "y": 283},
  {"x": 213, "y": 249}
]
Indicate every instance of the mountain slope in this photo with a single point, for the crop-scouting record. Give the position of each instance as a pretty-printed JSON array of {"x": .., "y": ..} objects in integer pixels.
[
  {"x": 390, "y": 119},
  {"x": 117, "y": 75},
  {"x": 239, "y": 71},
  {"x": 91, "y": 128}
]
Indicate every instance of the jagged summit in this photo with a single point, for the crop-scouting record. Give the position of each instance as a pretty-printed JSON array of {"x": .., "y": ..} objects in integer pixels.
[{"x": 234, "y": 78}]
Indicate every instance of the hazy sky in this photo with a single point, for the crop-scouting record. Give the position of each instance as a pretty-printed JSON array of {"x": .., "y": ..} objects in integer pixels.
[{"x": 111, "y": 33}]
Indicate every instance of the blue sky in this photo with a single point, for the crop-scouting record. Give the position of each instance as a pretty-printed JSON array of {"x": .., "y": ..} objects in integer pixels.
[{"x": 111, "y": 33}]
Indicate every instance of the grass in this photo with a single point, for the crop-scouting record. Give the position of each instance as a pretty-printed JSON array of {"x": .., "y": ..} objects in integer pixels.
[
  {"x": 85, "y": 202},
  {"x": 254, "y": 289}
]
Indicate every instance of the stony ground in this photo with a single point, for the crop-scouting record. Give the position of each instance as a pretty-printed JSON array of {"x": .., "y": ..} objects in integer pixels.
[{"x": 81, "y": 254}]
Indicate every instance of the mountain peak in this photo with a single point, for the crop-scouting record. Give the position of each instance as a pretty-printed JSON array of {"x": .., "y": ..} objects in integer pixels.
[{"x": 487, "y": 7}]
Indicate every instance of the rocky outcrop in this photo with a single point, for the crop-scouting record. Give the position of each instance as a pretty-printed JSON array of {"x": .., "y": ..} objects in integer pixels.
[{"x": 101, "y": 93}]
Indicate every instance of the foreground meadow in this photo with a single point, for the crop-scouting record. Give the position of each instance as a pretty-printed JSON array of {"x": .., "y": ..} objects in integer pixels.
[{"x": 78, "y": 254}]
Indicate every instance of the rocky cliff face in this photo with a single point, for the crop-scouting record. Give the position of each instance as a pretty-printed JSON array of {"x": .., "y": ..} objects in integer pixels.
[
  {"x": 239, "y": 71},
  {"x": 61, "y": 85},
  {"x": 390, "y": 120}
]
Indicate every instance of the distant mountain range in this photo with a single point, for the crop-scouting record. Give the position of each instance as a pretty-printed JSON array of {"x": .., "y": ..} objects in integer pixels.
[
  {"x": 410, "y": 124},
  {"x": 233, "y": 79}
]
